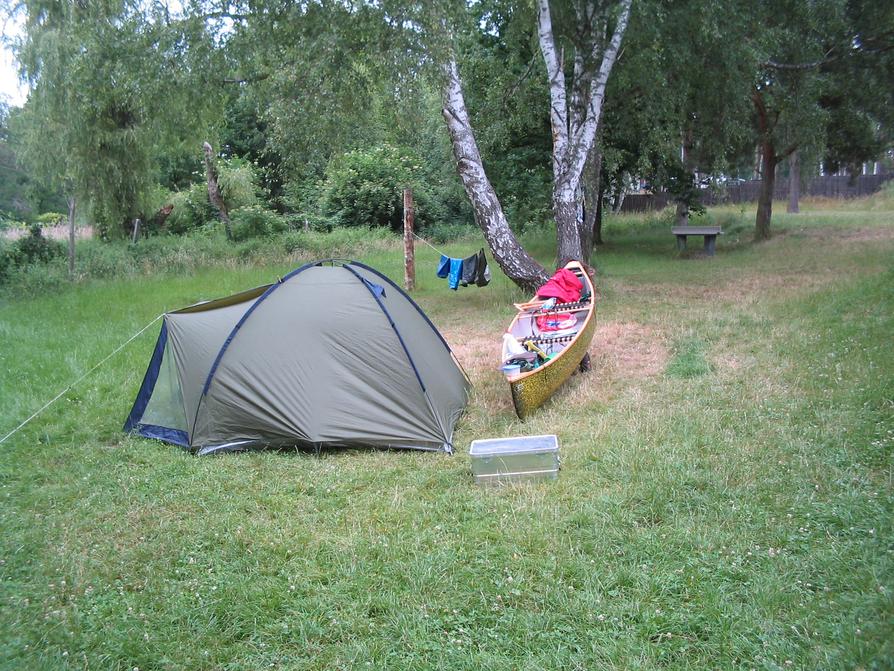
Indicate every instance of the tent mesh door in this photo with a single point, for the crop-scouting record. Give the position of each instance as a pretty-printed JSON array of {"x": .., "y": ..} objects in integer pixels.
[{"x": 165, "y": 407}]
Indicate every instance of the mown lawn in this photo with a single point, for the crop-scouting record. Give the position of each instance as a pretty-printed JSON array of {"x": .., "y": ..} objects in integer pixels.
[{"x": 725, "y": 500}]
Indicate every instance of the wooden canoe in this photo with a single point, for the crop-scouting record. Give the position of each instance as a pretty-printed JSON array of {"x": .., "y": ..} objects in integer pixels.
[{"x": 531, "y": 389}]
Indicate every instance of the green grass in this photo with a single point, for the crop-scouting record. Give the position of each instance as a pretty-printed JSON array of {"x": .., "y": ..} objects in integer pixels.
[
  {"x": 729, "y": 508},
  {"x": 690, "y": 359}
]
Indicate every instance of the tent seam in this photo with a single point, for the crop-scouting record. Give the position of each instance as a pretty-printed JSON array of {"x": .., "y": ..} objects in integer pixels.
[
  {"x": 421, "y": 313},
  {"x": 400, "y": 338},
  {"x": 238, "y": 326}
]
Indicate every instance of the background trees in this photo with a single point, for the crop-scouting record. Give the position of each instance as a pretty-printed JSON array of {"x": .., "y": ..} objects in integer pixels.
[
  {"x": 113, "y": 86},
  {"x": 325, "y": 103}
]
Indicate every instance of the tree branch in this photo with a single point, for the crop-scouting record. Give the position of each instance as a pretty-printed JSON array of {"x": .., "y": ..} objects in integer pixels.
[
  {"x": 796, "y": 66},
  {"x": 787, "y": 152},
  {"x": 559, "y": 109},
  {"x": 227, "y": 15},
  {"x": 520, "y": 80},
  {"x": 246, "y": 80}
]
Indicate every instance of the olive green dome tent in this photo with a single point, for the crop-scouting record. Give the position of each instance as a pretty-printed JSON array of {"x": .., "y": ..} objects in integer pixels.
[{"x": 333, "y": 354}]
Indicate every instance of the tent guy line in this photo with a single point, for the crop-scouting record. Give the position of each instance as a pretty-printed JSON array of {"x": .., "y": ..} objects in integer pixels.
[{"x": 70, "y": 386}]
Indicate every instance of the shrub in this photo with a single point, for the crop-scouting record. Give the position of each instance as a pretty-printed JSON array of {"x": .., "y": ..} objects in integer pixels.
[
  {"x": 35, "y": 248},
  {"x": 191, "y": 210},
  {"x": 238, "y": 183},
  {"x": 447, "y": 232},
  {"x": 291, "y": 242},
  {"x": 35, "y": 279},
  {"x": 365, "y": 187},
  {"x": 255, "y": 222},
  {"x": 29, "y": 265},
  {"x": 51, "y": 219},
  {"x": 103, "y": 259},
  {"x": 351, "y": 242},
  {"x": 297, "y": 221},
  {"x": 250, "y": 249},
  {"x": 6, "y": 263}
]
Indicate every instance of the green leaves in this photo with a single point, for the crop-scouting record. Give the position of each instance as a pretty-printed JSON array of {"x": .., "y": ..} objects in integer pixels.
[{"x": 112, "y": 87}]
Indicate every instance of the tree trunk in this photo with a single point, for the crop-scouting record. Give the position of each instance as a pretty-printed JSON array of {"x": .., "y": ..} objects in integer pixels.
[
  {"x": 592, "y": 191},
  {"x": 681, "y": 216},
  {"x": 574, "y": 130},
  {"x": 568, "y": 240},
  {"x": 72, "y": 206},
  {"x": 512, "y": 258},
  {"x": 765, "y": 197},
  {"x": 794, "y": 183},
  {"x": 597, "y": 223},
  {"x": 619, "y": 194},
  {"x": 214, "y": 189},
  {"x": 769, "y": 160}
]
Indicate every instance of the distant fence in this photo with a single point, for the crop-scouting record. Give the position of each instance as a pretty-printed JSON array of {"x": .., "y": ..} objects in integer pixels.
[
  {"x": 56, "y": 232},
  {"x": 831, "y": 186}
]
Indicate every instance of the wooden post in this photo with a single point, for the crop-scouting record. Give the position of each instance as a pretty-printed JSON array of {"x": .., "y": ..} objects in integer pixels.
[
  {"x": 72, "y": 205},
  {"x": 409, "y": 246},
  {"x": 794, "y": 183}
]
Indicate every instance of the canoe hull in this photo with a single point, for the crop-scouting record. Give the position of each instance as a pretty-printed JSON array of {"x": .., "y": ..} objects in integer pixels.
[{"x": 531, "y": 390}]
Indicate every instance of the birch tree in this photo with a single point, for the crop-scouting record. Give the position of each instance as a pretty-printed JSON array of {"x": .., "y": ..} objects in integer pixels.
[
  {"x": 575, "y": 111},
  {"x": 512, "y": 258}
]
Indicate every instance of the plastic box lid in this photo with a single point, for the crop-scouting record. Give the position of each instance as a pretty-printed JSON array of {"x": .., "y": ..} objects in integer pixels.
[{"x": 518, "y": 445}]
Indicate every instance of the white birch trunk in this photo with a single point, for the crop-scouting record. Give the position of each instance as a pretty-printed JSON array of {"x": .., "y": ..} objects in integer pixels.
[
  {"x": 512, "y": 258},
  {"x": 572, "y": 141},
  {"x": 558, "y": 108}
]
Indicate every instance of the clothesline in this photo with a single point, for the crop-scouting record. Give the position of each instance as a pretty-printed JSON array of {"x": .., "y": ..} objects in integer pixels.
[
  {"x": 472, "y": 270},
  {"x": 429, "y": 244}
]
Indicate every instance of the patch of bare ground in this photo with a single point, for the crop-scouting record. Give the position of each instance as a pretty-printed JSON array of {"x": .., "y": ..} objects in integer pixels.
[
  {"x": 478, "y": 350},
  {"x": 733, "y": 362},
  {"x": 862, "y": 234},
  {"x": 739, "y": 290},
  {"x": 622, "y": 355}
]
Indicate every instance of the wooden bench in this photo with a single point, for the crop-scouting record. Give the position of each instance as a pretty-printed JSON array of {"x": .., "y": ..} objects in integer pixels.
[{"x": 709, "y": 233}]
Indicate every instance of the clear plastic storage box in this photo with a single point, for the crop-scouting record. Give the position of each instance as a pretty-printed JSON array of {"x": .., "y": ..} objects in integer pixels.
[{"x": 502, "y": 460}]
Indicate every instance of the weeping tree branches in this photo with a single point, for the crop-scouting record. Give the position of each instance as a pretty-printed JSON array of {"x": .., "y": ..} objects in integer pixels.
[{"x": 112, "y": 88}]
